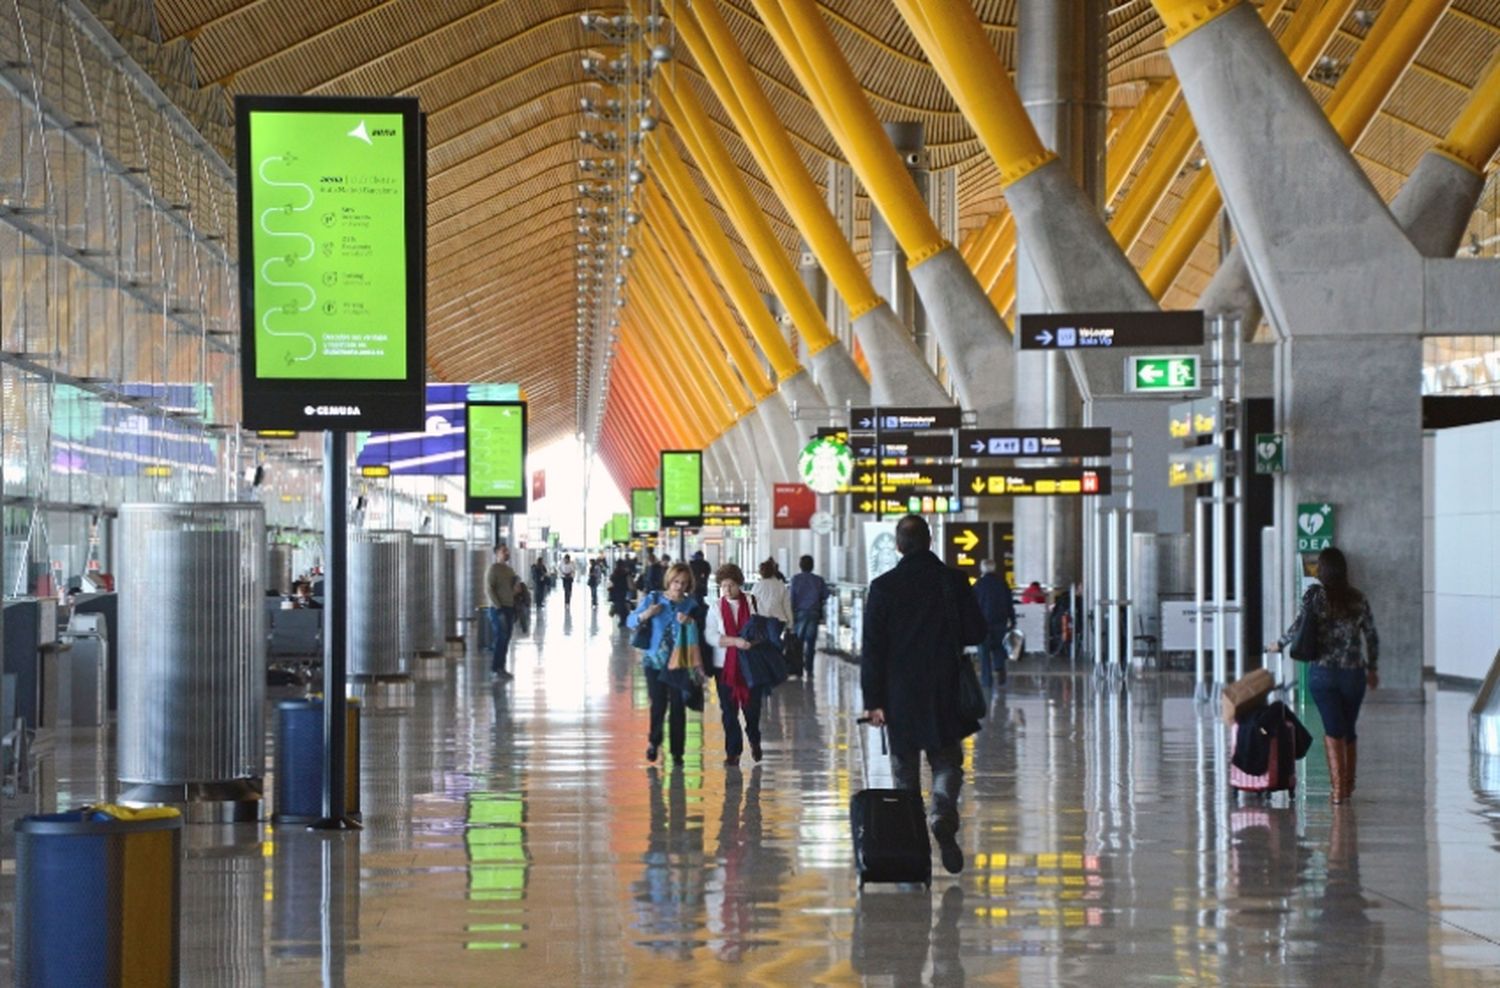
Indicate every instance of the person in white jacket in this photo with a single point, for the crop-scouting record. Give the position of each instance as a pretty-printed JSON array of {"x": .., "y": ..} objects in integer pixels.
[
  {"x": 727, "y": 618},
  {"x": 774, "y": 598}
]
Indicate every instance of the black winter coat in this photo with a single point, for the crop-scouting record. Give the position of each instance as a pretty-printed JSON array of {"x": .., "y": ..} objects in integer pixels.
[{"x": 911, "y": 648}]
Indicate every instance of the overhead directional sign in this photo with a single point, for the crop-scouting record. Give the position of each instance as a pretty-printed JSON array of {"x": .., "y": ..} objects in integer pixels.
[
  {"x": 1034, "y": 442},
  {"x": 870, "y": 505},
  {"x": 1161, "y": 374},
  {"x": 1108, "y": 330},
  {"x": 967, "y": 544},
  {"x": 1199, "y": 465},
  {"x": 1199, "y": 417},
  {"x": 903, "y": 443},
  {"x": 905, "y": 477},
  {"x": 901, "y": 418},
  {"x": 726, "y": 514},
  {"x": 1061, "y": 481}
]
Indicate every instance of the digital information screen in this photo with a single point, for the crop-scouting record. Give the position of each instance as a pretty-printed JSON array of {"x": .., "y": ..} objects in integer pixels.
[
  {"x": 619, "y": 528},
  {"x": 644, "y": 517},
  {"x": 332, "y": 228},
  {"x": 681, "y": 488},
  {"x": 495, "y": 453}
]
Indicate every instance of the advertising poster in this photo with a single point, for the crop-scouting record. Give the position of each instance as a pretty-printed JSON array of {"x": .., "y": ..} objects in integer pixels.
[
  {"x": 644, "y": 516},
  {"x": 880, "y": 548},
  {"x": 496, "y": 457},
  {"x": 538, "y": 485},
  {"x": 332, "y": 231},
  {"x": 681, "y": 488},
  {"x": 793, "y": 506},
  {"x": 619, "y": 528}
]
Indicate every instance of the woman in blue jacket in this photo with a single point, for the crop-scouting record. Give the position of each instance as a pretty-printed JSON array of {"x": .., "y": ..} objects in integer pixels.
[{"x": 665, "y": 610}]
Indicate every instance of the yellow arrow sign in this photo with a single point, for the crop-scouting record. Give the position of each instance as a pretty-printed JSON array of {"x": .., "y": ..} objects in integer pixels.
[
  {"x": 977, "y": 485},
  {"x": 967, "y": 540}
]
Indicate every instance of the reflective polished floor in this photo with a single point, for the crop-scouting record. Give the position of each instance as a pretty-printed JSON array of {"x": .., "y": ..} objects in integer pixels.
[{"x": 515, "y": 835}]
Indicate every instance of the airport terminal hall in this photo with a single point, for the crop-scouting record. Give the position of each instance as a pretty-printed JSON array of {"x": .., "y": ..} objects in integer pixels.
[{"x": 750, "y": 492}]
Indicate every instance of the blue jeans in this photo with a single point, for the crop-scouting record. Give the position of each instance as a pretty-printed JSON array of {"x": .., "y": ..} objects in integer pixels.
[
  {"x": 501, "y": 621},
  {"x": 1338, "y": 694},
  {"x": 992, "y": 658},
  {"x": 807, "y": 633}
]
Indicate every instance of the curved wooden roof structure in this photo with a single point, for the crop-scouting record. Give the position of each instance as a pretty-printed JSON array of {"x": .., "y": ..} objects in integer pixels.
[{"x": 501, "y": 81}]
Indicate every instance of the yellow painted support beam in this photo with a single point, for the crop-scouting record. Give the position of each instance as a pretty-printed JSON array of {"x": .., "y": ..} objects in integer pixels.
[
  {"x": 667, "y": 166},
  {"x": 755, "y": 230},
  {"x": 661, "y": 223},
  {"x": 1183, "y": 17},
  {"x": 1475, "y": 136},
  {"x": 1394, "y": 41},
  {"x": 1174, "y": 145},
  {"x": 680, "y": 314},
  {"x": 799, "y": 31},
  {"x": 952, "y": 36},
  {"x": 1000, "y": 252},
  {"x": 1126, "y": 150},
  {"x": 724, "y": 65}
]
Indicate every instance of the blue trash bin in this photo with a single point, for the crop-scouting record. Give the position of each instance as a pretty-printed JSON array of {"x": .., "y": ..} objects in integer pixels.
[
  {"x": 98, "y": 898},
  {"x": 299, "y": 761}
]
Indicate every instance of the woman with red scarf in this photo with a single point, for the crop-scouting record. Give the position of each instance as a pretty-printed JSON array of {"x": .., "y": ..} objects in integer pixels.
[{"x": 727, "y": 617}]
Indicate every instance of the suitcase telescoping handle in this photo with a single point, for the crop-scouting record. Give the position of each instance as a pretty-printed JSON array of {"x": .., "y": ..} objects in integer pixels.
[{"x": 864, "y": 756}]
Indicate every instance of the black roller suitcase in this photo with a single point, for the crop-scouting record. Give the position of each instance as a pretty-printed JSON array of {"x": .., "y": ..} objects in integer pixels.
[{"x": 890, "y": 834}]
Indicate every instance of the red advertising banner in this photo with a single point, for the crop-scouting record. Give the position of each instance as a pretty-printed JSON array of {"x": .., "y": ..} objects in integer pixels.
[
  {"x": 538, "y": 484},
  {"x": 794, "y": 505}
]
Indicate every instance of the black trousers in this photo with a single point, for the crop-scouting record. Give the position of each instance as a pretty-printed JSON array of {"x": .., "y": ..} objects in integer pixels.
[
  {"x": 567, "y": 590},
  {"x": 734, "y": 739},
  {"x": 663, "y": 697}
]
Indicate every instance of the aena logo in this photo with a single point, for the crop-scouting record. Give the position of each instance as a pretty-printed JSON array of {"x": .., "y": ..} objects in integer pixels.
[{"x": 331, "y": 410}]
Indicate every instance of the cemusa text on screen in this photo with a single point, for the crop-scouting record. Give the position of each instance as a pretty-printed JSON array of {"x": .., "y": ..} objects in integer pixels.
[{"x": 332, "y": 410}]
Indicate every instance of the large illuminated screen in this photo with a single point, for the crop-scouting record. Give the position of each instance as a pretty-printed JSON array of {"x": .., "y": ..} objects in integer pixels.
[
  {"x": 496, "y": 457},
  {"x": 681, "y": 488},
  {"x": 331, "y": 204}
]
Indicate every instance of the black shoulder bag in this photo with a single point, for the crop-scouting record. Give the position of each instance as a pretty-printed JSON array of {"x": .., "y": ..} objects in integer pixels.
[
  {"x": 971, "y": 702},
  {"x": 1304, "y": 647},
  {"x": 641, "y": 640}
]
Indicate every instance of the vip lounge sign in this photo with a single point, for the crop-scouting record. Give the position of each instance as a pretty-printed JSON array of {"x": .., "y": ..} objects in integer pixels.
[{"x": 1315, "y": 527}]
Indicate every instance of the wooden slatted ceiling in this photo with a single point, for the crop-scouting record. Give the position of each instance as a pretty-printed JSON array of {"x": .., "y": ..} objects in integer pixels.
[{"x": 501, "y": 82}]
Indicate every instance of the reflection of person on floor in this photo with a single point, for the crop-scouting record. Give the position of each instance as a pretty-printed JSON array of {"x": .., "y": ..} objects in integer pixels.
[
  {"x": 891, "y": 932},
  {"x": 669, "y": 895},
  {"x": 1355, "y": 942},
  {"x": 749, "y": 871}
]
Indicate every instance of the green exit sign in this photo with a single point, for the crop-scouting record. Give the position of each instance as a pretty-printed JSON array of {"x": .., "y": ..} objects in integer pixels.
[{"x": 1159, "y": 375}]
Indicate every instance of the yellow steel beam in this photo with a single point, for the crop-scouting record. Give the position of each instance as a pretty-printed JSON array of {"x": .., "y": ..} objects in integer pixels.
[
  {"x": 954, "y": 40},
  {"x": 1475, "y": 135},
  {"x": 1125, "y": 153},
  {"x": 663, "y": 224},
  {"x": 726, "y": 264},
  {"x": 1392, "y": 44},
  {"x": 1183, "y": 17},
  {"x": 648, "y": 370},
  {"x": 725, "y": 179},
  {"x": 729, "y": 74},
  {"x": 799, "y": 31}
]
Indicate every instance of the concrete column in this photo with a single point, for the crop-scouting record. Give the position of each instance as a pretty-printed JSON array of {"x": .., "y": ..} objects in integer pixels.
[
  {"x": 1060, "y": 77},
  {"x": 888, "y": 261}
]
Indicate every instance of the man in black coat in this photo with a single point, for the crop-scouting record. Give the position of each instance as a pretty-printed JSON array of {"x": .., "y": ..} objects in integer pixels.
[{"x": 918, "y": 618}]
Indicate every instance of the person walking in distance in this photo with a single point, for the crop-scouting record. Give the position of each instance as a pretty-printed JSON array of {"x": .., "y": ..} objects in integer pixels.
[
  {"x": 918, "y": 618},
  {"x": 727, "y": 618},
  {"x": 1343, "y": 662},
  {"x": 773, "y": 598},
  {"x": 500, "y": 588},
  {"x": 999, "y": 610},
  {"x": 567, "y": 571},
  {"x": 809, "y": 594},
  {"x": 596, "y": 576}
]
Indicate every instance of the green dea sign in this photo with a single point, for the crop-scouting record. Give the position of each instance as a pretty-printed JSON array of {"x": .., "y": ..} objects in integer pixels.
[
  {"x": 825, "y": 465},
  {"x": 1161, "y": 375},
  {"x": 1270, "y": 452},
  {"x": 1315, "y": 527}
]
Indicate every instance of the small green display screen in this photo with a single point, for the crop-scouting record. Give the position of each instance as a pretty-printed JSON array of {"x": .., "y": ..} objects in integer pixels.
[
  {"x": 496, "y": 456},
  {"x": 328, "y": 201},
  {"x": 619, "y": 527},
  {"x": 682, "y": 488},
  {"x": 643, "y": 511}
]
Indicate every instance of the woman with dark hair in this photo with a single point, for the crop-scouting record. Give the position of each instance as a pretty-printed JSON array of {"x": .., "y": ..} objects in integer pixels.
[
  {"x": 774, "y": 599},
  {"x": 1343, "y": 663},
  {"x": 665, "y": 611},
  {"x": 727, "y": 619},
  {"x": 619, "y": 592}
]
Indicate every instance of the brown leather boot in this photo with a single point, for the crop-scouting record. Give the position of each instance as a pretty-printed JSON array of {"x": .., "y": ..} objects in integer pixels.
[
  {"x": 1334, "y": 749},
  {"x": 1350, "y": 760}
]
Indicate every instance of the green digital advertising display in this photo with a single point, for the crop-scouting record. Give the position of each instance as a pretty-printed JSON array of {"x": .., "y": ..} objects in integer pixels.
[
  {"x": 681, "y": 488},
  {"x": 331, "y": 203},
  {"x": 619, "y": 528},
  {"x": 644, "y": 517},
  {"x": 495, "y": 448}
]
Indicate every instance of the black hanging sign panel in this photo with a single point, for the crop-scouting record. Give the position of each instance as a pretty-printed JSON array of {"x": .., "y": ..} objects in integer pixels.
[
  {"x": 900, "y": 418},
  {"x": 1034, "y": 442},
  {"x": 1108, "y": 330},
  {"x": 332, "y": 241},
  {"x": 1062, "y": 481},
  {"x": 903, "y": 443}
]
